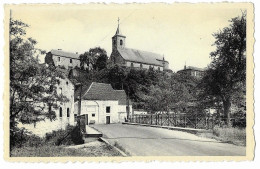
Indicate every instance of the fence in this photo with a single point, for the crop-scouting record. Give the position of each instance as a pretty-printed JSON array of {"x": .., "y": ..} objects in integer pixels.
[{"x": 180, "y": 120}]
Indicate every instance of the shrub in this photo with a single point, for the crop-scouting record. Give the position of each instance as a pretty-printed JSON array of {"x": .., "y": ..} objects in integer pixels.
[
  {"x": 234, "y": 135},
  {"x": 20, "y": 137},
  {"x": 71, "y": 135}
]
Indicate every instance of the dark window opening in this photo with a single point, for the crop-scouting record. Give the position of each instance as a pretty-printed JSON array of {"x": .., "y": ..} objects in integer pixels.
[
  {"x": 67, "y": 83},
  {"x": 121, "y": 42},
  {"x": 108, "y": 109},
  {"x": 132, "y": 64},
  {"x": 68, "y": 112},
  {"x": 49, "y": 108},
  {"x": 70, "y": 60},
  {"x": 60, "y": 112},
  {"x": 114, "y": 41},
  {"x": 93, "y": 115},
  {"x": 58, "y": 58},
  {"x": 51, "y": 88},
  {"x": 75, "y": 117},
  {"x": 141, "y": 65},
  {"x": 158, "y": 68}
]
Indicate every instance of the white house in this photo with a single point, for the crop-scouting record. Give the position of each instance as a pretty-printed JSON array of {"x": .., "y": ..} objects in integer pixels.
[
  {"x": 64, "y": 112},
  {"x": 101, "y": 104}
]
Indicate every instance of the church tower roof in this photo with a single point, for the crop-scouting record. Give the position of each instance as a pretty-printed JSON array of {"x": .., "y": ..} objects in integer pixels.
[{"x": 118, "y": 30}]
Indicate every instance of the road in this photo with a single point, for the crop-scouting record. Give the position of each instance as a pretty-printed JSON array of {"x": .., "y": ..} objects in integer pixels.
[{"x": 150, "y": 141}]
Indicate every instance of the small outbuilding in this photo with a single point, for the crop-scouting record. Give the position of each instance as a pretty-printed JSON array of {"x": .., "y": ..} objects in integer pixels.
[{"x": 101, "y": 104}]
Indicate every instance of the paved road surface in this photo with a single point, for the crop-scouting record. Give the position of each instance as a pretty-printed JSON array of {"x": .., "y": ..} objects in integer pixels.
[{"x": 149, "y": 141}]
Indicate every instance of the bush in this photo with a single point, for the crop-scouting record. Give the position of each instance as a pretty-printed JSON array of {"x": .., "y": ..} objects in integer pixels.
[
  {"x": 233, "y": 135},
  {"x": 71, "y": 135},
  {"x": 21, "y": 137}
]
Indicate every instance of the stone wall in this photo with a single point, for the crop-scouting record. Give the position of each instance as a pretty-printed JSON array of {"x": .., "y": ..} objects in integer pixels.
[{"x": 66, "y": 62}]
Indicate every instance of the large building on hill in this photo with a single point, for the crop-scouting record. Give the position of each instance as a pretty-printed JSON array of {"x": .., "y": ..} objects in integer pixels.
[
  {"x": 101, "y": 104},
  {"x": 60, "y": 58},
  {"x": 134, "y": 58},
  {"x": 192, "y": 71}
]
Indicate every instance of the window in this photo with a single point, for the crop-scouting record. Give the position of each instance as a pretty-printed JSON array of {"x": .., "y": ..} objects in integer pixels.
[
  {"x": 75, "y": 117},
  {"x": 114, "y": 42},
  {"x": 67, "y": 83},
  {"x": 121, "y": 42},
  {"x": 141, "y": 65},
  {"x": 107, "y": 109},
  {"x": 51, "y": 88},
  {"x": 70, "y": 60},
  {"x": 60, "y": 112},
  {"x": 93, "y": 115},
  {"x": 58, "y": 58},
  {"x": 68, "y": 112},
  {"x": 49, "y": 108},
  {"x": 132, "y": 64},
  {"x": 158, "y": 68}
]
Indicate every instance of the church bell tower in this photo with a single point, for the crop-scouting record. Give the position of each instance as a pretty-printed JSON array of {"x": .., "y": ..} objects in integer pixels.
[{"x": 118, "y": 40}]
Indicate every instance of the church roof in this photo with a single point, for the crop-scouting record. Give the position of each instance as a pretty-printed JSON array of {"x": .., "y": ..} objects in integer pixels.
[
  {"x": 102, "y": 91},
  {"x": 64, "y": 54},
  {"x": 139, "y": 56}
]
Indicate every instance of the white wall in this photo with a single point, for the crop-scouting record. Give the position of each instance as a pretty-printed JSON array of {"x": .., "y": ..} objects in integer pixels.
[
  {"x": 117, "y": 112},
  {"x": 145, "y": 66},
  {"x": 43, "y": 127}
]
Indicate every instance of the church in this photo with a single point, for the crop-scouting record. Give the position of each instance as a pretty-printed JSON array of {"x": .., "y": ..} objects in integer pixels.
[{"x": 135, "y": 58}]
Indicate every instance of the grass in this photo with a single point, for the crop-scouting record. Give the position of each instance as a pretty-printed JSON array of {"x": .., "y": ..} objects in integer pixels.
[
  {"x": 121, "y": 148},
  {"x": 231, "y": 135},
  {"x": 61, "y": 151}
]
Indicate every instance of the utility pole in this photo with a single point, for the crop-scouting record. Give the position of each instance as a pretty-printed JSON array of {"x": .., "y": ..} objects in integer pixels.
[
  {"x": 79, "y": 104},
  {"x": 128, "y": 107}
]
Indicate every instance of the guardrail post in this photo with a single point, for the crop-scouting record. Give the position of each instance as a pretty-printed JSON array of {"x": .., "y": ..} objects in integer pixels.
[
  {"x": 196, "y": 120},
  {"x": 185, "y": 120},
  {"x": 175, "y": 119}
]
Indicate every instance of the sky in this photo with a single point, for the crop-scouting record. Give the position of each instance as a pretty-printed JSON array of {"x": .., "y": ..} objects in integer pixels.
[{"x": 182, "y": 33}]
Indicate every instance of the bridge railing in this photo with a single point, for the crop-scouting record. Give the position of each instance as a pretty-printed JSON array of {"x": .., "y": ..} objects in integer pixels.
[{"x": 179, "y": 120}]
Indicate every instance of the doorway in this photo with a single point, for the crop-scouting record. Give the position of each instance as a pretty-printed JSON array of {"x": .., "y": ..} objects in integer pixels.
[{"x": 107, "y": 119}]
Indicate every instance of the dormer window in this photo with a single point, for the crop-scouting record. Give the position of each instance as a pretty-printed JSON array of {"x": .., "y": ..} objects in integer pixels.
[{"x": 121, "y": 42}]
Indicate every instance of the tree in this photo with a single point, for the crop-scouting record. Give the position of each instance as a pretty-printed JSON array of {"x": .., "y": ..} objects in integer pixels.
[
  {"x": 101, "y": 62},
  {"x": 227, "y": 72},
  {"x": 91, "y": 57},
  {"x": 33, "y": 94}
]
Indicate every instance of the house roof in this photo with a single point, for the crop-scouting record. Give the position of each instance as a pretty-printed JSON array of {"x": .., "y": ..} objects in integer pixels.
[
  {"x": 102, "y": 91},
  {"x": 195, "y": 68},
  {"x": 64, "y": 54},
  {"x": 191, "y": 68},
  {"x": 135, "y": 55}
]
